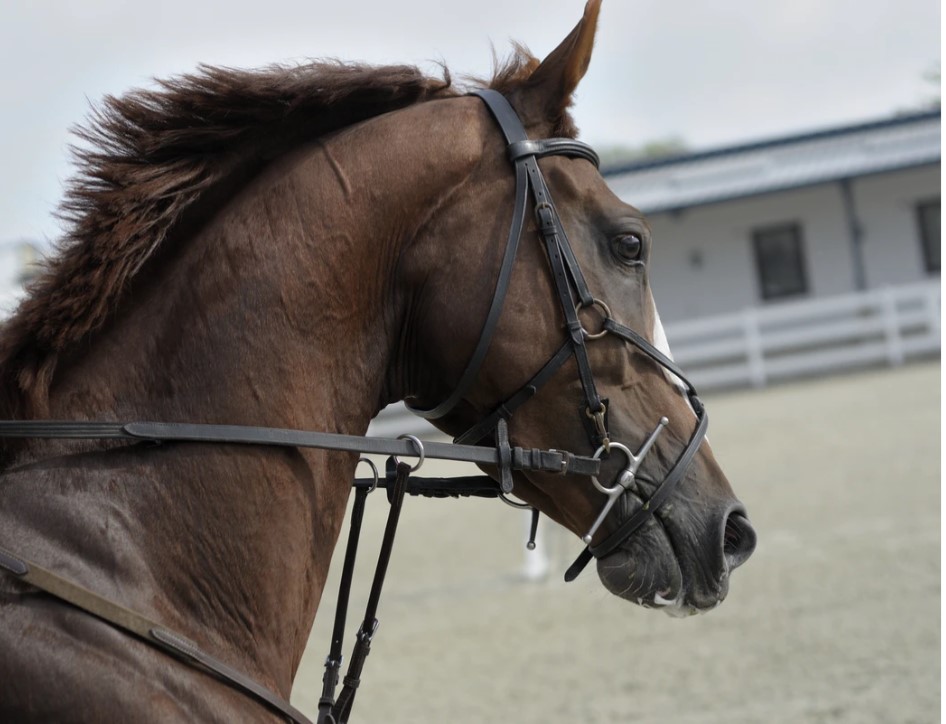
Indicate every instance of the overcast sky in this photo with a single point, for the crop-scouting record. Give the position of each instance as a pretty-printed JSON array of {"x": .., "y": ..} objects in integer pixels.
[{"x": 709, "y": 73}]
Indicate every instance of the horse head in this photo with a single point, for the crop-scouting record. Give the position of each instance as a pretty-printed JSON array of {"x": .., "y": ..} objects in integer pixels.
[{"x": 624, "y": 404}]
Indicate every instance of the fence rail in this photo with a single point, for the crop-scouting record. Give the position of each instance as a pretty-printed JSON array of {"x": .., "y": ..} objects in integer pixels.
[{"x": 756, "y": 346}]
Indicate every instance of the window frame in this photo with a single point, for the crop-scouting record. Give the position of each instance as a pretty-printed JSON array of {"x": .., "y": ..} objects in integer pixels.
[
  {"x": 758, "y": 237},
  {"x": 922, "y": 229}
]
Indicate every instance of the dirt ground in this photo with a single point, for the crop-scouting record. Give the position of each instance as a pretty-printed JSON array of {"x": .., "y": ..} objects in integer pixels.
[{"x": 834, "y": 619}]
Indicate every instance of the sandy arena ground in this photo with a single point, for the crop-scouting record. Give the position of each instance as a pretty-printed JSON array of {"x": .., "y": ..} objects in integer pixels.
[{"x": 834, "y": 619}]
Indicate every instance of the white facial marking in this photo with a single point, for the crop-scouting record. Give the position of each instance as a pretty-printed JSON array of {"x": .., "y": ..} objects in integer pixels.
[{"x": 661, "y": 343}]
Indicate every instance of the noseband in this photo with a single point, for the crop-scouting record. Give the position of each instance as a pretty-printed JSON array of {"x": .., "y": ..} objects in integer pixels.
[{"x": 573, "y": 295}]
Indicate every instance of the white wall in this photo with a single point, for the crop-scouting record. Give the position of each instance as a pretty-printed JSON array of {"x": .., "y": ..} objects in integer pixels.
[
  {"x": 722, "y": 235},
  {"x": 886, "y": 205}
]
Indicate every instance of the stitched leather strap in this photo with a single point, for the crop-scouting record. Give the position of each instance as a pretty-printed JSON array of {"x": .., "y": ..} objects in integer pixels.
[
  {"x": 144, "y": 628},
  {"x": 342, "y": 708},
  {"x": 552, "y": 147},
  {"x": 333, "y": 661},
  {"x": 524, "y": 394},
  {"x": 522, "y": 459},
  {"x": 523, "y": 152},
  {"x": 495, "y": 309}
]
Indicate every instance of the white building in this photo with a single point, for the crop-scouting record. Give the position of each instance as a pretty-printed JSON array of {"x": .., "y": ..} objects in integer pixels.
[{"x": 805, "y": 216}]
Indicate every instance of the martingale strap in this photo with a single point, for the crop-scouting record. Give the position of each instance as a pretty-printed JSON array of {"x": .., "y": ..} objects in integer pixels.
[{"x": 330, "y": 710}]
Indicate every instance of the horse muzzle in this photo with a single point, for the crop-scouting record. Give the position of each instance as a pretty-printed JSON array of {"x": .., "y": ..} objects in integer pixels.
[{"x": 681, "y": 560}]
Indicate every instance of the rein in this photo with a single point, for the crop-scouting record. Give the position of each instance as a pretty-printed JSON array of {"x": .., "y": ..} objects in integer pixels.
[{"x": 573, "y": 296}]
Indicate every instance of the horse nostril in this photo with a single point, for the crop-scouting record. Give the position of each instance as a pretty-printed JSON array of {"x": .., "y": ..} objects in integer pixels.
[{"x": 739, "y": 540}]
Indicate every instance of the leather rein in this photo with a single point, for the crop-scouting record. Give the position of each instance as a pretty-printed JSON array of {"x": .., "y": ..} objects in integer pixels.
[{"x": 573, "y": 295}]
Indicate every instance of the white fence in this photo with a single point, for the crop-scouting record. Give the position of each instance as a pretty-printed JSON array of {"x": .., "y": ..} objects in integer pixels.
[{"x": 795, "y": 339}]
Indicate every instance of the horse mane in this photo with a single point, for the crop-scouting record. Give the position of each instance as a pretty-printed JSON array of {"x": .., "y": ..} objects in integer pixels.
[{"x": 148, "y": 156}]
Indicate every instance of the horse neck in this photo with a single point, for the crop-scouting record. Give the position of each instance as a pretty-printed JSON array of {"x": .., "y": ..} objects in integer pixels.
[{"x": 282, "y": 311}]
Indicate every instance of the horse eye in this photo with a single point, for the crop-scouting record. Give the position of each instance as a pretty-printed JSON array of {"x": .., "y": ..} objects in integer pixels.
[{"x": 627, "y": 248}]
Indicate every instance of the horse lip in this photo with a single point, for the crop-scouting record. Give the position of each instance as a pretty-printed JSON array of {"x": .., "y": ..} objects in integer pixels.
[{"x": 684, "y": 592}]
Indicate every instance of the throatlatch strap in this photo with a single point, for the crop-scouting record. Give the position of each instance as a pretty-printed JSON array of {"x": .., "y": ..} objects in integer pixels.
[
  {"x": 144, "y": 628},
  {"x": 495, "y": 309}
]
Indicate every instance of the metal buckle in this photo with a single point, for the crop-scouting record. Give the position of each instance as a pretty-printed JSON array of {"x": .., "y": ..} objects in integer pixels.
[{"x": 600, "y": 427}]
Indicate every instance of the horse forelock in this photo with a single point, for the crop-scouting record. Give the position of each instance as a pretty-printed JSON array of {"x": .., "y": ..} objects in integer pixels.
[{"x": 147, "y": 157}]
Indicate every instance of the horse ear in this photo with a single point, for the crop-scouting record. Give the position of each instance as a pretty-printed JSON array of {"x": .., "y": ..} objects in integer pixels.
[{"x": 548, "y": 92}]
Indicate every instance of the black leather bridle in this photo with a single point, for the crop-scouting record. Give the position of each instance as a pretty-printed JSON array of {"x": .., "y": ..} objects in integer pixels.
[{"x": 573, "y": 295}]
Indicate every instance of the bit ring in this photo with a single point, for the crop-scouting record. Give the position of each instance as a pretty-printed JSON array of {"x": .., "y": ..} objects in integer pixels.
[{"x": 624, "y": 449}]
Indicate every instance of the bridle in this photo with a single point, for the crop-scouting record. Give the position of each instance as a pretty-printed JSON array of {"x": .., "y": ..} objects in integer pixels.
[{"x": 573, "y": 295}]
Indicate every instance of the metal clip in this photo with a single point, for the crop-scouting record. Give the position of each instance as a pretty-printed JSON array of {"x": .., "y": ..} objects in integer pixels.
[
  {"x": 600, "y": 427},
  {"x": 365, "y": 635}
]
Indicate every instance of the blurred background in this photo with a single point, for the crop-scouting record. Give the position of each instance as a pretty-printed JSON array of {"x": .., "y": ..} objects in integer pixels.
[{"x": 788, "y": 158}]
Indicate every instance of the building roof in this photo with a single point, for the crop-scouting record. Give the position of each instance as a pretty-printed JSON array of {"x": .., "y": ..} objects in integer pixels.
[{"x": 750, "y": 169}]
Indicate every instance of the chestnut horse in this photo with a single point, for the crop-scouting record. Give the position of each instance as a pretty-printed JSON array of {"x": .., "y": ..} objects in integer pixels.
[{"x": 297, "y": 248}]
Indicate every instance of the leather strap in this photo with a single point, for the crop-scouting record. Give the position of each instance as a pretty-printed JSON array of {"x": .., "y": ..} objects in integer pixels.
[
  {"x": 521, "y": 459},
  {"x": 342, "y": 708},
  {"x": 524, "y": 394},
  {"x": 143, "y": 628},
  {"x": 566, "y": 271},
  {"x": 495, "y": 308},
  {"x": 523, "y": 152},
  {"x": 552, "y": 147},
  {"x": 333, "y": 661},
  {"x": 463, "y": 486}
]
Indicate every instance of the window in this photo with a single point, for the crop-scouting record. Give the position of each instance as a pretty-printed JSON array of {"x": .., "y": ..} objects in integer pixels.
[
  {"x": 780, "y": 261},
  {"x": 928, "y": 217}
]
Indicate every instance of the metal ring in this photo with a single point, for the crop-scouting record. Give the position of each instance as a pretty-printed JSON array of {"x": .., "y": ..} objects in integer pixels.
[
  {"x": 420, "y": 450},
  {"x": 624, "y": 449},
  {"x": 374, "y": 472},
  {"x": 595, "y": 302},
  {"x": 512, "y": 503}
]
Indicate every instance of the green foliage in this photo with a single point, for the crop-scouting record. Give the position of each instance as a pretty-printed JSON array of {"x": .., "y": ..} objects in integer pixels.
[{"x": 617, "y": 154}]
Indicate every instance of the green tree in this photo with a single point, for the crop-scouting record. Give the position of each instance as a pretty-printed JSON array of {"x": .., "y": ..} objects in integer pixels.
[{"x": 618, "y": 154}]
